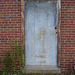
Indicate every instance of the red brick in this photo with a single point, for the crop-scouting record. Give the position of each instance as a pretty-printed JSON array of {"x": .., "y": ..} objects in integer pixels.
[{"x": 10, "y": 29}]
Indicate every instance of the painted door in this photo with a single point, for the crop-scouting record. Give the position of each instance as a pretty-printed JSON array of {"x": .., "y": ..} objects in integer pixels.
[{"x": 41, "y": 33}]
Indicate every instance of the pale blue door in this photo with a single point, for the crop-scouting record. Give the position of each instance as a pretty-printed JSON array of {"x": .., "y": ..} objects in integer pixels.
[{"x": 40, "y": 33}]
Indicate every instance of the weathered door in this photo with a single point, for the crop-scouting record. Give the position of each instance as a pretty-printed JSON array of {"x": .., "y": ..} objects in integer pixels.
[{"x": 41, "y": 33}]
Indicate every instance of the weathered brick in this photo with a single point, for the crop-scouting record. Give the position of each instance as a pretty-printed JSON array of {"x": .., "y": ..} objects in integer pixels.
[
  {"x": 10, "y": 29},
  {"x": 10, "y": 11}
]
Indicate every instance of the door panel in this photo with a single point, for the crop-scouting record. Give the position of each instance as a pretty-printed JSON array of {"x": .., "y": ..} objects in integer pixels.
[{"x": 40, "y": 33}]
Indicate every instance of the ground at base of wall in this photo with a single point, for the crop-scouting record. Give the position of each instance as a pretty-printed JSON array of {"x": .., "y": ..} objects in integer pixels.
[
  {"x": 42, "y": 74},
  {"x": 3, "y": 73},
  {"x": 50, "y": 74}
]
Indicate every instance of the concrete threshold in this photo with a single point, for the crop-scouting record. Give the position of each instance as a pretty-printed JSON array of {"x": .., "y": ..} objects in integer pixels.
[{"x": 41, "y": 69}]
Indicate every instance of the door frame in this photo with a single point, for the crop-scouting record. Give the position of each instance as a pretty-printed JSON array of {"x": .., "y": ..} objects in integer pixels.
[{"x": 59, "y": 31}]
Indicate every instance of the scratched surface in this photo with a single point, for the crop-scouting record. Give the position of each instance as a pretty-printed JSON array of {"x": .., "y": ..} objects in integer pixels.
[{"x": 41, "y": 33}]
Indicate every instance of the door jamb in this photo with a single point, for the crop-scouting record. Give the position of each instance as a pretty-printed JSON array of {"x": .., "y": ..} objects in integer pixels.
[{"x": 59, "y": 31}]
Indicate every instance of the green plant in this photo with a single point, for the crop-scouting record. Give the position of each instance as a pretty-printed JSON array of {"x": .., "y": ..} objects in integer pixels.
[
  {"x": 3, "y": 63},
  {"x": 51, "y": 73},
  {"x": 12, "y": 55},
  {"x": 57, "y": 74},
  {"x": 9, "y": 63},
  {"x": 3, "y": 73},
  {"x": 19, "y": 54},
  {"x": 0, "y": 72}
]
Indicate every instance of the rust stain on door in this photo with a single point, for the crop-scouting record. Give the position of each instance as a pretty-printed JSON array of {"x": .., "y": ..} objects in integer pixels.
[{"x": 41, "y": 37}]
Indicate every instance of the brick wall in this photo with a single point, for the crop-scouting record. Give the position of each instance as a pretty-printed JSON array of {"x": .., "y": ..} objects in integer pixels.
[
  {"x": 67, "y": 34},
  {"x": 10, "y": 29},
  {"x": 10, "y": 24}
]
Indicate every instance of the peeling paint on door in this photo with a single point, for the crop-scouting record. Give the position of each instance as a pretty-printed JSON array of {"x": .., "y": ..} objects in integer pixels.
[{"x": 41, "y": 33}]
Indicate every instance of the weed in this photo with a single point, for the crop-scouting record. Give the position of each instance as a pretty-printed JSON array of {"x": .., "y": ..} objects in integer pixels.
[{"x": 9, "y": 64}]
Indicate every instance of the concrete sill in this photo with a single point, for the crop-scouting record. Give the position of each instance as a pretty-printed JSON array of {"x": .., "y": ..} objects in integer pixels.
[{"x": 41, "y": 69}]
